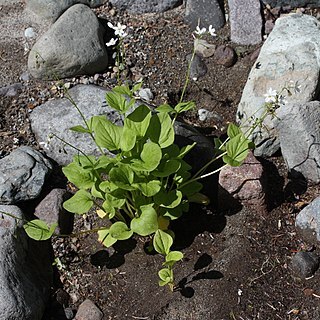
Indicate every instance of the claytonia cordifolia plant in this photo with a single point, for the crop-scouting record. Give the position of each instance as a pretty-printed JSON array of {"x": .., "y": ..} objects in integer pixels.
[{"x": 146, "y": 183}]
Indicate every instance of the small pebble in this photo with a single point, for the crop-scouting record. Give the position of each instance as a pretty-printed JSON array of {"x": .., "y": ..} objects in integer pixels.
[
  {"x": 305, "y": 264},
  {"x": 29, "y": 33},
  {"x": 198, "y": 67},
  {"x": 225, "y": 55},
  {"x": 146, "y": 94},
  {"x": 204, "y": 48}
]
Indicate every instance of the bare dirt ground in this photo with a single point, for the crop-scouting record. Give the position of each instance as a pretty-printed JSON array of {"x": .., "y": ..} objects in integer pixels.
[{"x": 237, "y": 261}]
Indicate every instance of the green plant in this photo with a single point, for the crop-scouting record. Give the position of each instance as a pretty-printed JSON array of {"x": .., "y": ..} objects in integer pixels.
[{"x": 146, "y": 183}]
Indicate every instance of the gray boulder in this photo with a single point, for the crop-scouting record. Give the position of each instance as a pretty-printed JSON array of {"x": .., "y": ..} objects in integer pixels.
[
  {"x": 73, "y": 45},
  {"x": 308, "y": 220},
  {"x": 208, "y": 11},
  {"x": 58, "y": 116},
  {"x": 145, "y": 6},
  {"x": 292, "y": 3},
  {"x": 291, "y": 53},
  {"x": 25, "y": 270},
  {"x": 299, "y": 135},
  {"x": 51, "y": 10},
  {"x": 22, "y": 175},
  {"x": 245, "y": 21}
]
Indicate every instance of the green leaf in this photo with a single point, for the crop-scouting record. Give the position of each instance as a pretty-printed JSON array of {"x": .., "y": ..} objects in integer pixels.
[
  {"x": 186, "y": 149},
  {"x": 128, "y": 139},
  {"x": 105, "y": 238},
  {"x": 86, "y": 162},
  {"x": 81, "y": 202},
  {"x": 199, "y": 198},
  {"x": 184, "y": 106},
  {"x": 115, "y": 202},
  {"x": 138, "y": 121},
  {"x": 166, "y": 168},
  {"x": 237, "y": 150},
  {"x": 150, "y": 158},
  {"x": 80, "y": 177},
  {"x": 117, "y": 101},
  {"x": 120, "y": 231},
  {"x": 39, "y": 230},
  {"x": 174, "y": 256},
  {"x": 109, "y": 209},
  {"x": 166, "y": 276},
  {"x": 147, "y": 223},
  {"x": 122, "y": 177},
  {"x": 191, "y": 188},
  {"x": 107, "y": 134},
  {"x": 80, "y": 129},
  {"x": 149, "y": 188},
  {"x": 169, "y": 199},
  {"x": 161, "y": 130},
  {"x": 124, "y": 90},
  {"x": 165, "y": 108},
  {"x": 162, "y": 242},
  {"x": 233, "y": 130},
  {"x": 137, "y": 87}
]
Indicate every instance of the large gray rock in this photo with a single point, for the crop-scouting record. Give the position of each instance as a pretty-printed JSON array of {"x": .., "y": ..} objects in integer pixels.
[
  {"x": 308, "y": 220},
  {"x": 208, "y": 11},
  {"x": 245, "y": 21},
  {"x": 144, "y": 6},
  {"x": 292, "y": 3},
  {"x": 25, "y": 270},
  {"x": 22, "y": 175},
  {"x": 291, "y": 53},
  {"x": 299, "y": 135},
  {"x": 72, "y": 46},
  {"x": 51, "y": 10},
  {"x": 58, "y": 116}
]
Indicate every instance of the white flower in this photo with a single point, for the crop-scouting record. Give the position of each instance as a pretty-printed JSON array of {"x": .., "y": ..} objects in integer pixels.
[
  {"x": 199, "y": 31},
  {"x": 212, "y": 31},
  {"x": 270, "y": 96},
  {"x": 119, "y": 29},
  {"x": 112, "y": 42},
  {"x": 282, "y": 101}
]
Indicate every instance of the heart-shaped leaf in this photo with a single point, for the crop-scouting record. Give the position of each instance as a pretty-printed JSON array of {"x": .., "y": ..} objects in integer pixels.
[
  {"x": 169, "y": 199},
  {"x": 81, "y": 202},
  {"x": 105, "y": 238},
  {"x": 39, "y": 230},
  {"x": 147, "y": 223},
  {"x": 162, "y": 242},
  {"x": 120, "y": 231}
]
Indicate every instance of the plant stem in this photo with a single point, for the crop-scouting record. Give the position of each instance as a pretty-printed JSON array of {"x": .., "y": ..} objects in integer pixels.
[{"x": 187, "y": 80}]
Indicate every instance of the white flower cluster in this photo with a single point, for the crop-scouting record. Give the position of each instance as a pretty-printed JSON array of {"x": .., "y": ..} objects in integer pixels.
[
  {"x": 273, "y": 97},
  {"x": 119, "y": 30},
  {"x": 202, "y": 31}
]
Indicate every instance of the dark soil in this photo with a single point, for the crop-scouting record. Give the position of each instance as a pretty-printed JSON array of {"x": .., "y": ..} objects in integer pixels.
[{"x": 236, "y": 260}]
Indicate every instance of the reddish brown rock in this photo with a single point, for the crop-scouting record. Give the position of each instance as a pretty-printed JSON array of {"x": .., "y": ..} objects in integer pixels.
[
  {"x": 245, "y": 183},
  {"x": 51, "y": 211},
  {"x": 225, "y": 56}
]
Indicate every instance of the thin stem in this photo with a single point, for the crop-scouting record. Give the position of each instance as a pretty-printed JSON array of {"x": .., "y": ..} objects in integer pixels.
[
  {"x": 187, "y": 80},
  {"x": 83, "y": 118}
]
